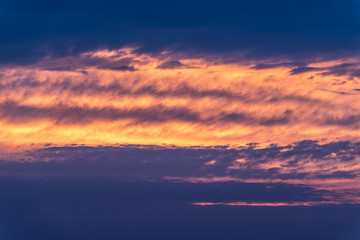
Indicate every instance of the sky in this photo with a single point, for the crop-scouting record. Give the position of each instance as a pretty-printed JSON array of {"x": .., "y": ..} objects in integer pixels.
[{"x": 164, "y": 119}]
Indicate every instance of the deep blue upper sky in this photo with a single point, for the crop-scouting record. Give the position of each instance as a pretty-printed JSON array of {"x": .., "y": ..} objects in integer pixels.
[{"x": 262, "y": 28}]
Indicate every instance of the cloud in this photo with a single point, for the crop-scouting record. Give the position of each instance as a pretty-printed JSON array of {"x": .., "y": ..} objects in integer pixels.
[
  {"x": 75, "y": 115},
  {"x": 114, "y": 60},
  {"x": 171, "y": 65},
  {"x": 62, "y": 114},
  {"x": 344, "y": 69},
  {"x": 260, "y": 66},
  {"x": 333, "y": 169},
  {"x": 120, "y": 68},
  {"x": 305, "y": 69},
  {"x": 302, "y": 160},
  {"x": 122, "y": 96}
]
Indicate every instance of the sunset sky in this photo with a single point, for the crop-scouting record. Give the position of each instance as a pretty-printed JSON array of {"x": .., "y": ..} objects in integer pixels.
[{"x": 162, "y": 119}]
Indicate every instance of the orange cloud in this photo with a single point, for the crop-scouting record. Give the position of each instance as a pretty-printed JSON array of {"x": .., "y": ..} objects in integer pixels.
[{"x": 120, "y": 96}]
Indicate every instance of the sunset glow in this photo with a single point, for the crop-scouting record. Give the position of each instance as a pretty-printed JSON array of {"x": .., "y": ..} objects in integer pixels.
[{"x": 173, "y": 120}]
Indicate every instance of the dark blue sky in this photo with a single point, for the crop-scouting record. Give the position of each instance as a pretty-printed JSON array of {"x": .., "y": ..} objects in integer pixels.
[
  {"x": 102, "y": 208},
  {"x": 264, "y": 29}
]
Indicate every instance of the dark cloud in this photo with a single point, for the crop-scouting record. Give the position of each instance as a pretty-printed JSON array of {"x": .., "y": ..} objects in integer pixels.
[
  {"x": 276, "y": 65},
  {"x": 120, "y": 68},
  {"x": 350, "y": 120},
  {"x": 171, "y": 65},
  {"x": 249, "y": 119},
  {"x": 345, "y": 69},
  {"x": 160, "y": 162},
  {"x": 83, "y": 61},
  {"x": 300, "y": 70},
  {"x": 92, "y": 85},
  {"x": 339, "y": 174},
  {"x": 65, "y": 114}
]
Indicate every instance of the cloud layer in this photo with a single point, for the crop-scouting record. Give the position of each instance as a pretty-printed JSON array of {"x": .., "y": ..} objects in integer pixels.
[
  {"x": 334, "y": 167},
  {"x": 122, "y": 96},
  {"x": 206, "y": 120}
]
